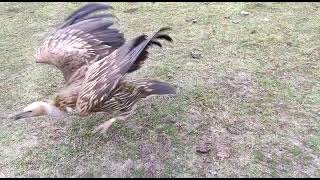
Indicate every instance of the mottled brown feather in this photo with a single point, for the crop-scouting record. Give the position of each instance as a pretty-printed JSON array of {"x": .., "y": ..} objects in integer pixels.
[
  {"x": 81, "y": 41},
  {"x": 103, "y": 76}
]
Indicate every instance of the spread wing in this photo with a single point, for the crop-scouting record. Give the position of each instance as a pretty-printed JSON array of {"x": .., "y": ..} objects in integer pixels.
[
  {"x": 104, "y": 75},
  {"x": 80, "y": 40}
]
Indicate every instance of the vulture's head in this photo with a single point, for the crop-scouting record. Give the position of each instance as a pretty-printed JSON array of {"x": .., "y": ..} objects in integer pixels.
[{"x": 39, "y": 109}]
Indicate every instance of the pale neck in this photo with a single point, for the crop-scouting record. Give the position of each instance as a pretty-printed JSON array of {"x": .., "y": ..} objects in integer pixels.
[{"x": 52, "y": 110}]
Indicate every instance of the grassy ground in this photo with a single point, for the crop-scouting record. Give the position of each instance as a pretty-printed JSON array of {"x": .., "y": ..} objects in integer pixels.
[{"x": 247, "y": 104}]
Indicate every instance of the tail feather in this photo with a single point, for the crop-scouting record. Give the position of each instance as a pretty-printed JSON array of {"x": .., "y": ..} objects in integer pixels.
[{"x": 154, "y": 87}]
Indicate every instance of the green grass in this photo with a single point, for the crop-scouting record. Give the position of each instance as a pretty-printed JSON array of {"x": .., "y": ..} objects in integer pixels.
[
  {"x": 253, "y": 97},
  {"x": 315, "y": 143}
]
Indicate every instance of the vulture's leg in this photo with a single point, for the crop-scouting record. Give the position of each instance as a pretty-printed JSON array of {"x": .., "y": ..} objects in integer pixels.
[{"x": 104, "y": 126}]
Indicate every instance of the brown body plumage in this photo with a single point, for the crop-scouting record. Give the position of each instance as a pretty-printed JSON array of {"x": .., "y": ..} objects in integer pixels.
[{"x": 94, "y": 60}]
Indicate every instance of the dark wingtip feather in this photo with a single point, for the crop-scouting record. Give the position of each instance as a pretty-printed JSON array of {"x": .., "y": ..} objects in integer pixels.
[
  {"x": 138, "y": 40},
  {"x": 81, "y": 13},
  {"x": 159, "y": 35},
  {"x": 164, "y": 36},
  {"x": 165, "y": 29},
  {"x": 156, "y": 43},
  {"x": 151, "y": 41},
  {"x": 88, "y": 8},
  {"x": 100, "y": 16}
]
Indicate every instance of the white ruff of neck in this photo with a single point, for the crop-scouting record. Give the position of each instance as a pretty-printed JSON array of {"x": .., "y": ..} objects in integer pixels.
[{"x": 52, "y": 110}]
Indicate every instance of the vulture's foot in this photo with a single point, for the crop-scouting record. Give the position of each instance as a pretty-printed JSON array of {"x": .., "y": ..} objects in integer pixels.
[{"x": 102, "y": 128}]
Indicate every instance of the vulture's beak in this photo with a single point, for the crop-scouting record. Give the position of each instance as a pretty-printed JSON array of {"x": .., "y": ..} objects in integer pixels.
[{"x": 22, "y": 115}]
